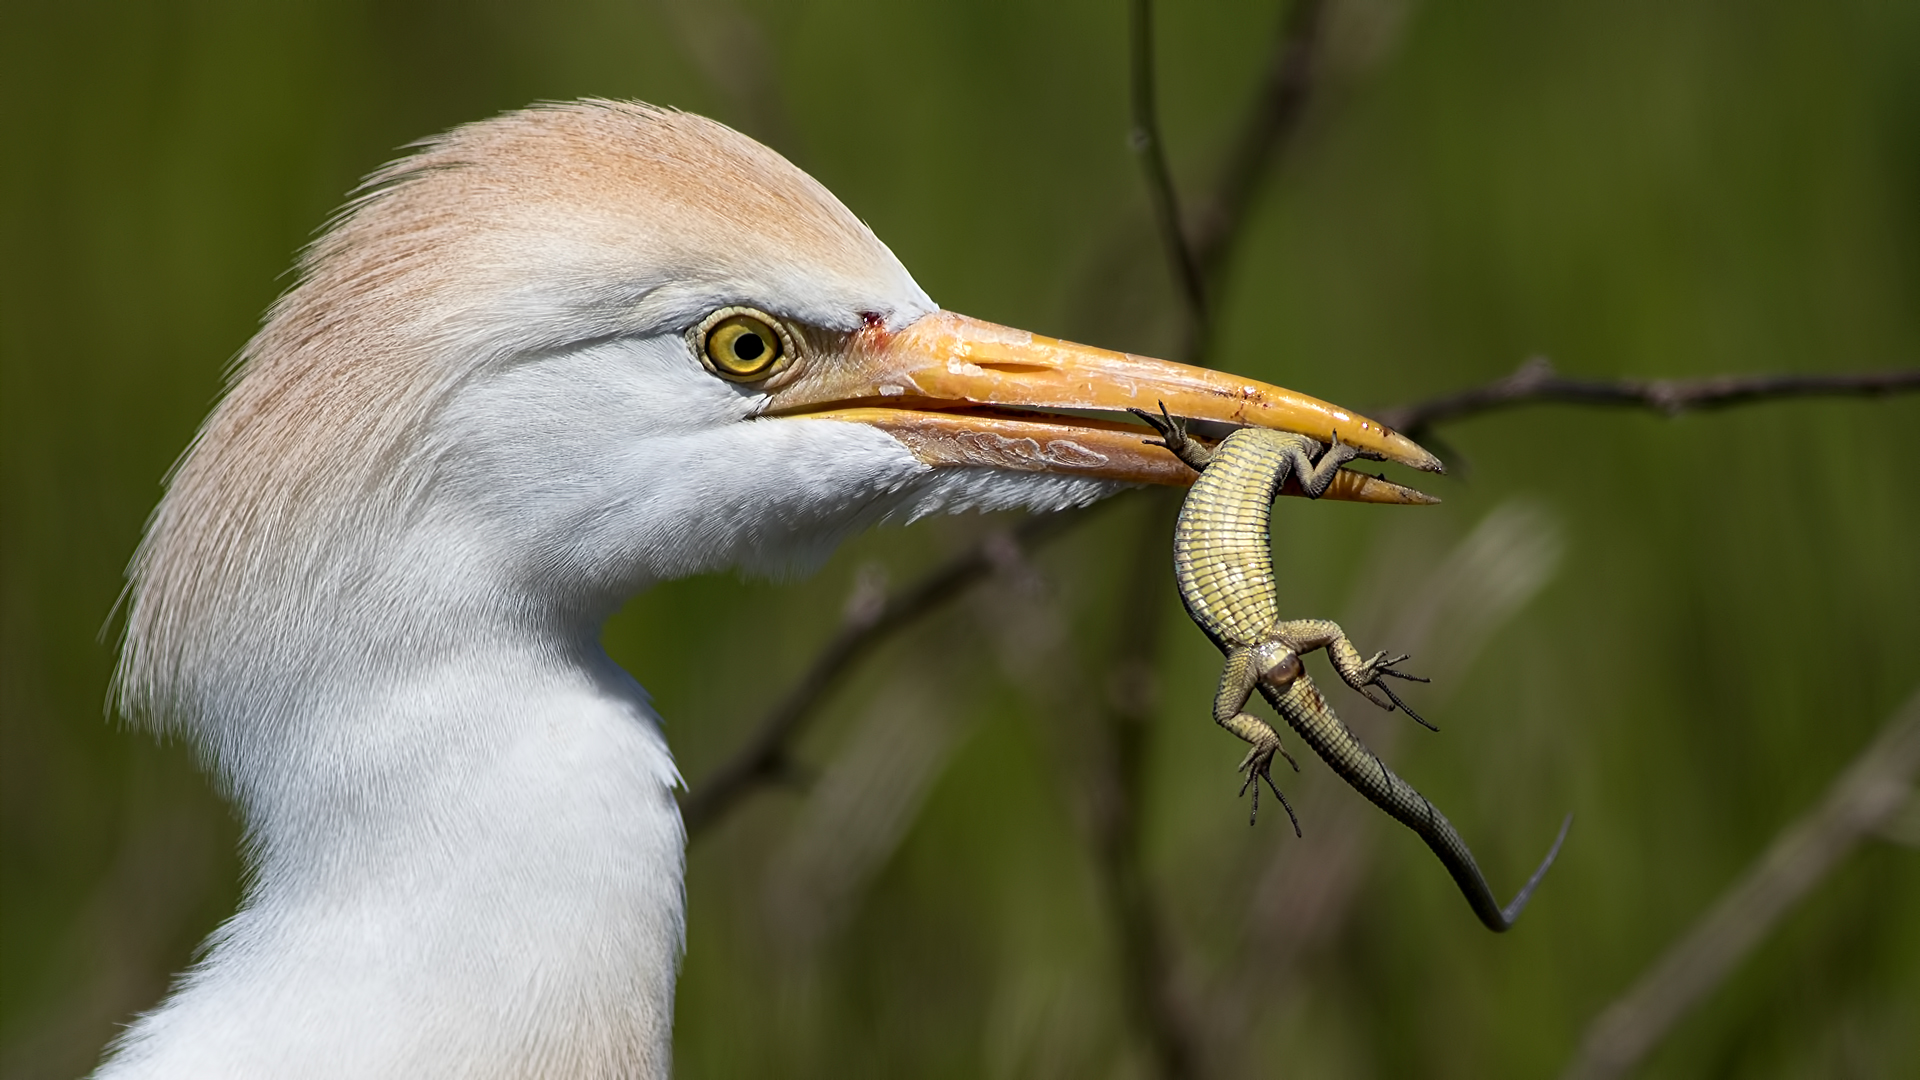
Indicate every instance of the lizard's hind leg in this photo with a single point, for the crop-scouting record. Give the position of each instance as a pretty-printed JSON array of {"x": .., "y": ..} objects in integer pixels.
[
  {"x": 1246, "y": 668},
  {"x": 1306, "y": 635}
]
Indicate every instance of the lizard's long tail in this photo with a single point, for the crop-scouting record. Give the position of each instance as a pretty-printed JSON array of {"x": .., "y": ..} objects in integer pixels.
[{"x": 1310, "y": 715}]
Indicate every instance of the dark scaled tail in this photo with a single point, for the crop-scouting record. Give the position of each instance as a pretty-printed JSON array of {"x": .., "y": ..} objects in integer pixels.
[
  {"x": 1308, "y": 713},
  {"x": 1512, "y": 911}
]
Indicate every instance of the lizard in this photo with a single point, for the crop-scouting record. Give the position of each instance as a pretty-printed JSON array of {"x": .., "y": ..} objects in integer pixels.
[{"x": 1223, "y": 564}]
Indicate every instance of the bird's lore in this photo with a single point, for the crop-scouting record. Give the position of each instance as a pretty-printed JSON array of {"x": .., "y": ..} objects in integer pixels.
[{"x": 1224, "y": 567}]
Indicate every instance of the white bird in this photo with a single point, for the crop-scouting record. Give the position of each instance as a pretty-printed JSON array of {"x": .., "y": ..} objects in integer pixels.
[{"x": 545, "y": 361}]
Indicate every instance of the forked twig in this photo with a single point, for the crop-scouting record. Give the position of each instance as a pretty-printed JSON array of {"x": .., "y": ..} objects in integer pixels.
[
  {"x": 1275, "y": 119},
  {"x": 1147, "y": 143}
]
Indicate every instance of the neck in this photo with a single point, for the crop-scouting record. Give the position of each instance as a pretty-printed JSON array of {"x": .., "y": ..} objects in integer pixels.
[{"x": 474, "y": 871}]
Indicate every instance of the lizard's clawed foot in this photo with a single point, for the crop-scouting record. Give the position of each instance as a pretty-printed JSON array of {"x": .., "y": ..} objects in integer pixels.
[
  {"x": 1379, "y": 666},
  {"x": 1258, "y": 765},
  {"x": 1171, "y": 430},
  {"x": 1349, "y": 453},
  {"x": 1338, "y": 452},
  {"x": 1173, "y": 436}
]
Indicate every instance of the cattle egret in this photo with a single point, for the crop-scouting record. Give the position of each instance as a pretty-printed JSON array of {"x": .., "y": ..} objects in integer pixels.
[{"x": 545, "y": 361}]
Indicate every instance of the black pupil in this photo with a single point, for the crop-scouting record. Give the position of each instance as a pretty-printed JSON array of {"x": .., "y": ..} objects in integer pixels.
[{"x": 748, "y": 346}]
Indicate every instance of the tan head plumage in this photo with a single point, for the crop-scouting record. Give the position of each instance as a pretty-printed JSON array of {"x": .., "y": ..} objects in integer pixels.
[{"x": 526, "y": 232}]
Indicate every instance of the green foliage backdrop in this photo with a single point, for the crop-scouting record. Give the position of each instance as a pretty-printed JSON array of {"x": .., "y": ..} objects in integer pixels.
[{"x": 1728, "y": 604}]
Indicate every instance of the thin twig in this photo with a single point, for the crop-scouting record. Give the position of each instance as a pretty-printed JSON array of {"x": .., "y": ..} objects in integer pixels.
[
  {"x": 1269, "y": 128},
  {"x": 764, "y": 757},
  {"x": 1536, "y": 381},
  {"x": 1152, "y": 150},
  {"x": 1870, "y": 793}
]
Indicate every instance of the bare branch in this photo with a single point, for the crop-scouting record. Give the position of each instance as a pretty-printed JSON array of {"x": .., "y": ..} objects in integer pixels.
[
  {"x": 1536, "y": 382},
  {"x": 1276, "y": 115},
  {"x": 1147, "y": 143},
  {"x": 1875, "y": 788},
  {"x": 764, "y": 758},
  {"x": 1198, "y": 254}
]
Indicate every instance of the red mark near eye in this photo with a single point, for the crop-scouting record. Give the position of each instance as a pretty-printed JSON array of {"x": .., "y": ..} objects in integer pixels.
[{"x": 872, "y": 338}]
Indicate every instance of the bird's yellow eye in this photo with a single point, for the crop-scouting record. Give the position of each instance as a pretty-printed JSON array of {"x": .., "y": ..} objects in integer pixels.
[{"x": 742, "y": 344}]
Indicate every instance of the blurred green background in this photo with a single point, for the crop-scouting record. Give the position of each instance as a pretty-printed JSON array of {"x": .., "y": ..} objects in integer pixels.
[{"x": 1680, "y": 630}]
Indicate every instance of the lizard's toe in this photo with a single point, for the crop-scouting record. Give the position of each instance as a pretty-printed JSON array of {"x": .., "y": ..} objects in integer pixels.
[{"x": 1258, "y": 765}]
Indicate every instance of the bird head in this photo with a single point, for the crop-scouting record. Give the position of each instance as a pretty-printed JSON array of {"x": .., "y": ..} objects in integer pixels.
[{"x": 554, "y": 356}]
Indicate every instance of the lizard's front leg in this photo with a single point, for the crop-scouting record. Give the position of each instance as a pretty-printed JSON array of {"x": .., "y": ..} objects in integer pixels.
[
  {"x": 1247, "y": 667},
  {"x": 1315, "y": 476},
  {"x": 1306, "y": 635},
  {"x": 1173, "y": 435}
]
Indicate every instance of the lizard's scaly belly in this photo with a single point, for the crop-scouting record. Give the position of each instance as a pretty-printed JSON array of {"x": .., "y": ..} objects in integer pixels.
[{"x": 1223, "y": 546}]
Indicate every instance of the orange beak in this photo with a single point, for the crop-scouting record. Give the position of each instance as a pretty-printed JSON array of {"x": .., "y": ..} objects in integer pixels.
[{"x": 961, "y": 392}]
